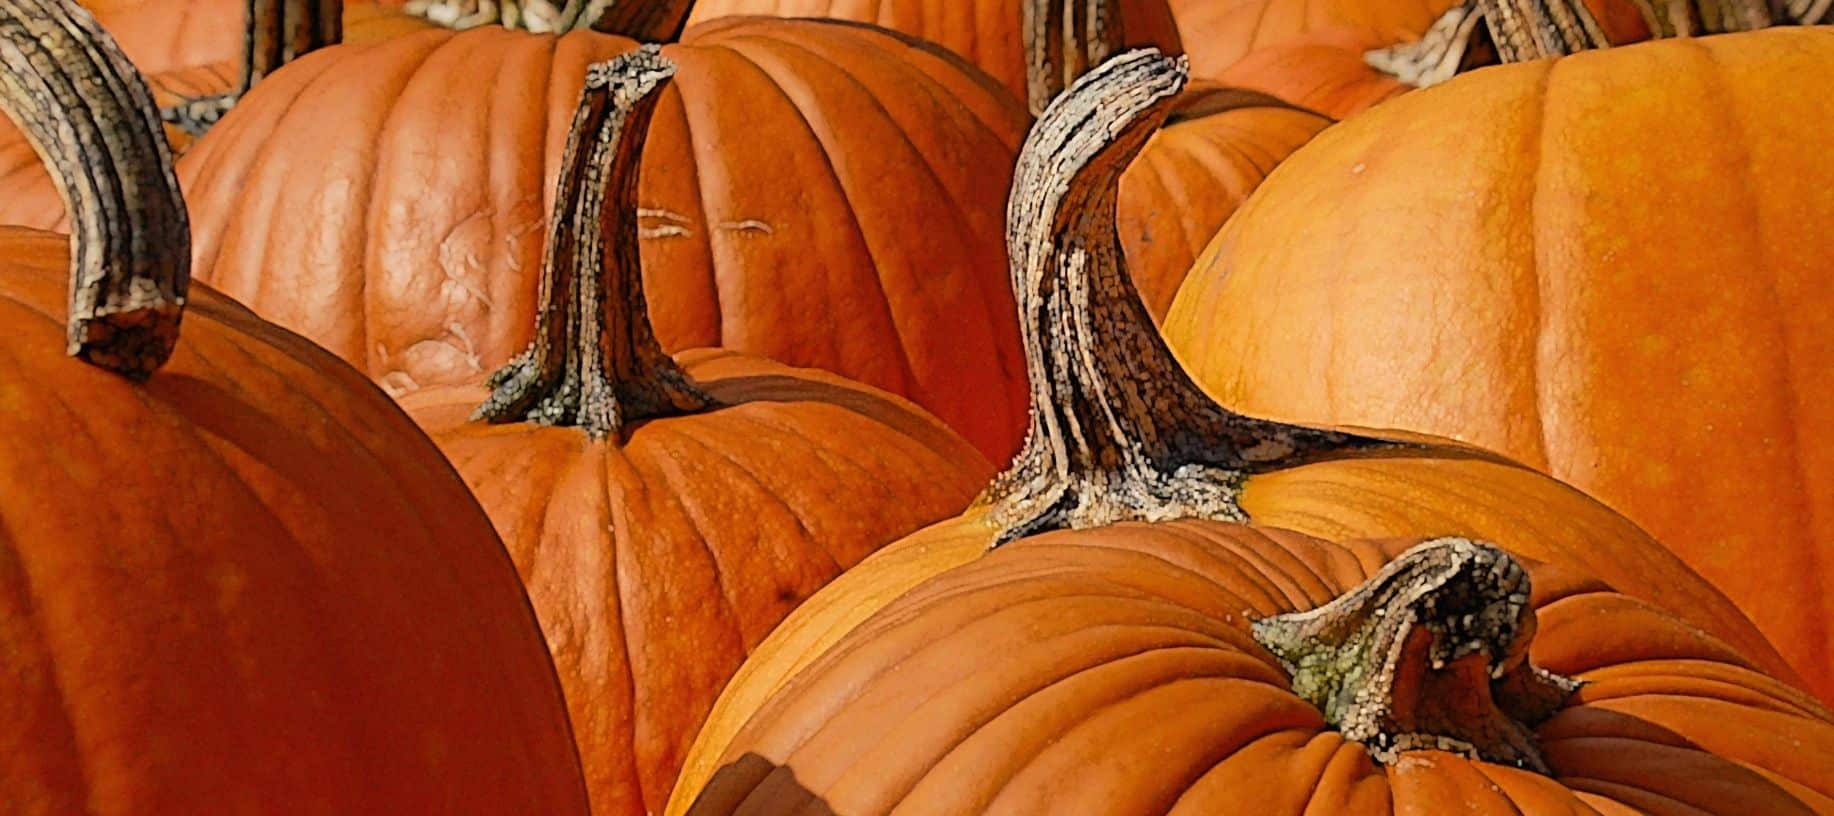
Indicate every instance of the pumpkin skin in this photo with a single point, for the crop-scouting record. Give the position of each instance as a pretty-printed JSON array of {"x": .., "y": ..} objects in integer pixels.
[
  {"x": 1648, "y": 326},
  {"x": 1111, "y": 670},
  {"x": 862, "y": 236},
  {"x": 985, "y": 32},
  {"x": 1220, "y": 33},
  {"x": 300, "y": 557},
  {"x": 1326, "y": 72},
  {"x": 758, "y": 503},
  {"x": 1214, "y": 150}
]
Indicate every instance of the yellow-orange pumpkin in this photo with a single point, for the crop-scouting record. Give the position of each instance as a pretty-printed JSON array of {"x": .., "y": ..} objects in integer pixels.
[{"x": 1648, "y": 323}]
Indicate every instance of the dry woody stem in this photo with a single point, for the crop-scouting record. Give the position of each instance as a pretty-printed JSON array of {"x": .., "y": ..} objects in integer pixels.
[
  {"x": 656, "y": 21},
  {"x": 1430, "y": 654},
  {"x": 1119, "y": 431},
  {"x": 278, "y": 32},
  {"x": 595, "y": 363},
  {"x": 91, "y": 118}
]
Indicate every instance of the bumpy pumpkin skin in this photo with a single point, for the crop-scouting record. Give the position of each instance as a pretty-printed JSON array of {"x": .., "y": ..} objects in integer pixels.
[
  {"x": 985, "y": 32},
  {"x": 1649, "y": 325},
  {"x": 250, "y": 580},
  {"x": 1112, "y": 670},
  {"x": 1196, "y": 171},
  {"x": 720, "y": 523},
  {"x": 819, "y": 193}
]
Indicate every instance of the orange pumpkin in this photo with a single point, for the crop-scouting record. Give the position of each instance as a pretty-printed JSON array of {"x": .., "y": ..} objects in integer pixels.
[
  {"x": 1649, "y": 324},
  {"x": 1121, "y": 435},
  {"x": 666, "y": 512},
  {"x": 233, "y": 573},
  {"x": 1220, "y": 33},
  {"x": 192, "y": 50},
  {"x": 1215, "y": 148},
  {"x": 823, "y": 194}
]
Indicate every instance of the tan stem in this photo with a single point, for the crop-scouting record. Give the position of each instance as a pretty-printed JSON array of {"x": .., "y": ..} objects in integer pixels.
[
  {"x": 1455, "y": 42},
  {"x": 1532, "y": 29},
  {"x": 1430, "y": 654},
  {"x": 595, "y": 363},
  {"x": 1119, "y": 431},
  {"x": 276, "y": 32},
  {"x": 1063, "y": 40},
  {"x": 90, "y": 116},
  {"x": 654, "y": 21}
]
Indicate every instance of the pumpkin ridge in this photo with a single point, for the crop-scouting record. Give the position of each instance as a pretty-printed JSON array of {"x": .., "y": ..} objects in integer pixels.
[
  {"x": 704, "y": 239},
  {"x": 15, "y": 583},
  {"x": 919, "y": 389},
  {"x": 1816, "y": 643}
]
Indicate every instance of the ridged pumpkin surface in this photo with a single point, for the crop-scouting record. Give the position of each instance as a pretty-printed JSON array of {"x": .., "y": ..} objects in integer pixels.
[
  {"x": 985, "y": 32},
  {"x": 1218, "y": 33},
  {"x": 1112, "y": 670},
  {"x": 1487, "y": 261},
  {"x": 248, "y": 581},
  {"x": 656, "y": 565},
  {"x": 1214, "y": 150},
  {"x": 819, "y": 193}
]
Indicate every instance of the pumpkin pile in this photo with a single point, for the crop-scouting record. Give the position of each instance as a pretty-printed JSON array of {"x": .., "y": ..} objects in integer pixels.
[{"x": 706, "y": 407}]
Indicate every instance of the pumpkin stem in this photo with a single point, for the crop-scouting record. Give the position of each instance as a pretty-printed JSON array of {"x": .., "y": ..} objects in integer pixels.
[
  {"x": 643, "y": 20},
  {"x": 1533, "y": 29},
  {"x": 1118, "y": 431},
  {"x": 1456, "y": 42},
  {"x": 277, "y": 32},
  {"x": 595, "y": 363},
  {"x": 92, "y": 120},
  {"x": 1430, "y": 654},
  {"x": 1063, "y": 40}
]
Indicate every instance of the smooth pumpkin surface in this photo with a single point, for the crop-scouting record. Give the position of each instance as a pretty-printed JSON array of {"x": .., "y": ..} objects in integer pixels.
[
  {"x": 819, "y": 193},
  {"x": 985, "y": 32},
  {"x": 1649, "y": 325},
  {"x": 1112, "y": 670},
  {"x": 1212, "y": 152},
  {"x": 256, "y": 535},
  {"x": 1327, "y": 71}
]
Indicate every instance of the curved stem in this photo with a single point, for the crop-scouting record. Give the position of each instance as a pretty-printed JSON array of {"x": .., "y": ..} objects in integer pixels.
[
  {"x": 1119, "y": 431},
  {"x": 277, "y": 32},
  {"x": 1431, "y": 653},
  {"x": 92, "y": 120},
  {"x": 1454, "y": 43},
  {"x": 595, "y": 363},
  {"x": 1063, "y": 40}
]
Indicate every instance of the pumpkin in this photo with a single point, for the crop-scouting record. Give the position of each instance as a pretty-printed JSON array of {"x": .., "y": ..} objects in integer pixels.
[
  {"x": 1647, "y": 323},
  {"x": 1220, "y": 33},
  {"x": 1214, "y": 149},
  {"x": 192, "y": 50},
  {"x": 665, "y": 512},
  {"x": 234, "y": 574},
  {"x": 823, "y": 194},
  {"x": 1121, "y": 435},
  {"x": 1032, "y": 46}
]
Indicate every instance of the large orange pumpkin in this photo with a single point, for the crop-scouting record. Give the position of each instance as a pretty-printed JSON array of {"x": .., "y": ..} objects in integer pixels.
[
  {"x": 234, "y": 576},
  {"x": 665, "y": 513},
  {"x": 824, "y": 194},
  {"x": 190, "y": 50},
  {"x": 1121, "y": 434},
  {"x": 1214, "y": 149},
  {"x": 1649, "y": 322}
]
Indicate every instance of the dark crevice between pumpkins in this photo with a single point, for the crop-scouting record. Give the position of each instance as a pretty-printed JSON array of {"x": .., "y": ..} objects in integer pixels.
[
  {"x": 91, "y": 118},
  {"x": 595, "y": 363},
  {"x": 1119, "y": 432},
  {"x": 1480, "y": 32},
  {"x": 276, "y": 33},
  {"x": 1430, "y": 654}
]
